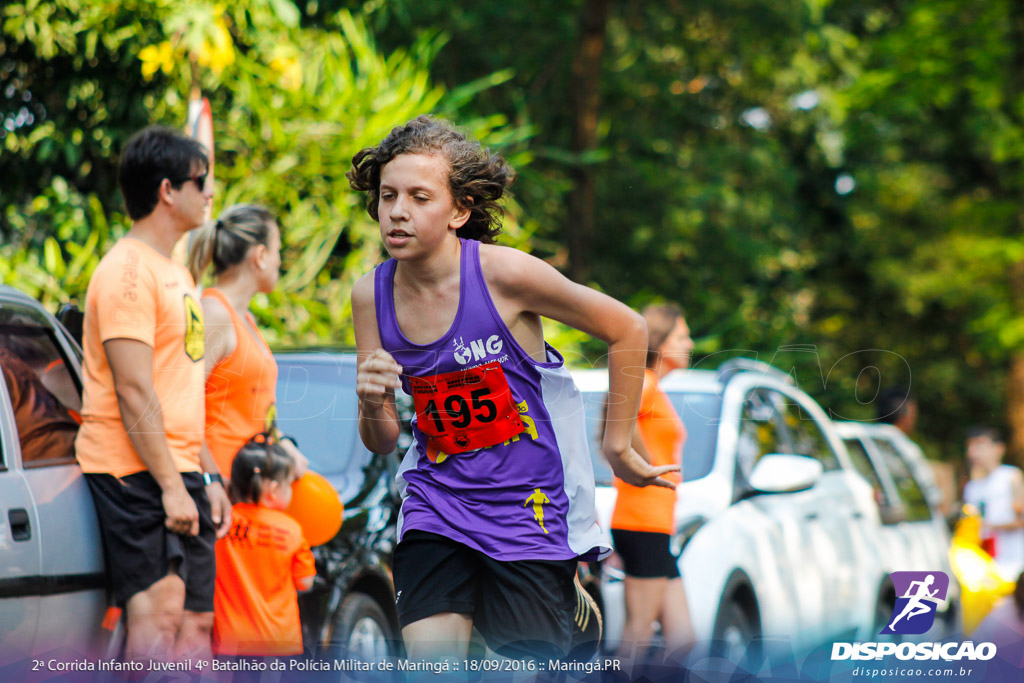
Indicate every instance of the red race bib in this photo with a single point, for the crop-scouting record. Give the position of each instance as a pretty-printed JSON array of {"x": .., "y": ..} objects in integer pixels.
[{"x": 466, "y": 410}]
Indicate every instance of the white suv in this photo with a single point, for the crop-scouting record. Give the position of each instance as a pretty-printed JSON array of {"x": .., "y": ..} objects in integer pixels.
[
  {"x": 778, "y": 534},
  {"x": 914, "y": 533}
]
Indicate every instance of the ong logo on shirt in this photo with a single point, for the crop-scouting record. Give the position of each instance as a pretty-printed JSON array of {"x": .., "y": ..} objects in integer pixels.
[
  {"x": 477, "y": 349},
  {"x": 917, "y": 596}
]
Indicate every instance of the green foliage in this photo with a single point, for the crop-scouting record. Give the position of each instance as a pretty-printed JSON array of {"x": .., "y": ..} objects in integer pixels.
[{"x": 291, "y": 103}]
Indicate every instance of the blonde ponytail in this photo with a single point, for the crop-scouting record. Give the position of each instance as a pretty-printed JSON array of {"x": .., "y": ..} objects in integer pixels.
[
  {"x": 203, "y": 241},
  {"x": 225, "y": 241}
]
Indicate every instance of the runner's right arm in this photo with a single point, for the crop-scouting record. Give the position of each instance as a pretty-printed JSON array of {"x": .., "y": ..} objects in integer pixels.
[
  {"x": 131, "y": 363},
  {"x": 377, "y": 374}
]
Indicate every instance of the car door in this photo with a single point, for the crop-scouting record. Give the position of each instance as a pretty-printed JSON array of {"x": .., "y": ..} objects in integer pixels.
[
  {"x": 838, "y": 543},
  {"x": 43, "y": 401},
  {"x": 19, "y": 546},
  {"x": 917, "y": 529},
  {"x": 787, "y": 528}
]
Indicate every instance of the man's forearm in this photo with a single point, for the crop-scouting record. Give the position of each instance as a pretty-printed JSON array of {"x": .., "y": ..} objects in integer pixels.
[{"x": 143, "y": 420}]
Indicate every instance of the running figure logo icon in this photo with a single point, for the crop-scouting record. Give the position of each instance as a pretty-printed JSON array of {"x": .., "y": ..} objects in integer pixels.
[{"x": 917, "y": 596}]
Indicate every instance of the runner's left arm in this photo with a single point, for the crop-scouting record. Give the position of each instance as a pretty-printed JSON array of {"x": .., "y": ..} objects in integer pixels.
[{"x": 540, "y": 289}]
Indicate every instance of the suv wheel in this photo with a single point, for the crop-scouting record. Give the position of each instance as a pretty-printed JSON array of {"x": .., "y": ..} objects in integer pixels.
[
  {"x": 361, "y": 630},
  {"x": 883, "y": 613},
  {"x": 737, "y": 633}
]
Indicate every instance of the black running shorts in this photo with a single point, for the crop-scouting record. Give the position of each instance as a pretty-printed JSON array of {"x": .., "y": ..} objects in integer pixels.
[
  {"x": 522, "y": 608},
  {"x": 140, "y": 550},
  {"x": 645, "y": 554}
]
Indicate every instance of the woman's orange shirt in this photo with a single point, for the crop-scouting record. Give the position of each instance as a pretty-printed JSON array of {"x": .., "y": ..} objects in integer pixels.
[
  {"x": 239, "y": 391},
  {"x": 652, "y": 508},
  {"x": 255, "y": 602}
]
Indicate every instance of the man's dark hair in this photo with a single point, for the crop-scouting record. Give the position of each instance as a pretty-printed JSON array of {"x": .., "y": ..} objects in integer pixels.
[
  {"x": 984, "y": 431},
  {"x": 476, "y": 177},
  {"x": 155, "y": 153},
  {"x": 892, "y": 403}
]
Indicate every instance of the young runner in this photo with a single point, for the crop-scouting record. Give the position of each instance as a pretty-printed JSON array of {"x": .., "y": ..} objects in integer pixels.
[
  {"x": 497, "y": 488},
  {"x": 263, "y": 562}
]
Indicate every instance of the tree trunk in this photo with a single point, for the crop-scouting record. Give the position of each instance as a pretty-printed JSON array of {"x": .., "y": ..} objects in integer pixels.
[
  {"x": 1015, "y": 374},
  {"x": 586, "y": 101},
  {"x": 1015, "y": 377}
]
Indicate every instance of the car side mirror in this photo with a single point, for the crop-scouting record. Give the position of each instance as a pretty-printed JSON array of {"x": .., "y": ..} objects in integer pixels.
[
  {"x": 784, "y": 473},
  {"x": 891, "y": 514}
]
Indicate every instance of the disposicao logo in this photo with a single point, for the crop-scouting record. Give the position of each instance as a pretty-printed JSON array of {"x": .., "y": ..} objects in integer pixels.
[{"x": 917, "y": 596}]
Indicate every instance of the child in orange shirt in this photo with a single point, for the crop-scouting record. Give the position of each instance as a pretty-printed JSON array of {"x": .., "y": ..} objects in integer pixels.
[{"x": 263, "y": 562}]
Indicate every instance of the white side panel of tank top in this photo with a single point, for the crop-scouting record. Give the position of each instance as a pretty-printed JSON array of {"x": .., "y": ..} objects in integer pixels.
[
  {"x": 408, "y": 463},
  {"x": 564, "y": 404}
]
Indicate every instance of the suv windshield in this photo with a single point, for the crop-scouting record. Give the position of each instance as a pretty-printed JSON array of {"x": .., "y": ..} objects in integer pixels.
[{"x": 700, "y": 413}]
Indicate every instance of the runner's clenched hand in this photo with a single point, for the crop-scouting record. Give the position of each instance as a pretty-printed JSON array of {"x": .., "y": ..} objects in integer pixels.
[{"x": 377, "y": 378}]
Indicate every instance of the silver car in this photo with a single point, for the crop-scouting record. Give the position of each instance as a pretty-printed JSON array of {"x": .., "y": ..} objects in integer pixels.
[{"x": 52, "y": 576}]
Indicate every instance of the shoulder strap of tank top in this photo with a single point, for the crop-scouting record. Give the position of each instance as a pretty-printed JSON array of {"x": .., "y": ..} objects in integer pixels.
[
  {"x": 223, "y": 299},
  {"x": 472, "y": 280},
  {"x": 383, "y": 297},
  {"x": 244, "y": 329}
]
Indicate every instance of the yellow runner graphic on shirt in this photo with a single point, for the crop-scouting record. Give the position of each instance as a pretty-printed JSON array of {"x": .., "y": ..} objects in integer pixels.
[
  {"x": 538, "y": 499},
  {"x": 195, "y": 344}
]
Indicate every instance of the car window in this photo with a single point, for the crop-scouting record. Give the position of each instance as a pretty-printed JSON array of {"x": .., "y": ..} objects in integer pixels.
[
  {"x": 910, "y": 493},
  {"x": 805, "y": 436},
  {"x": 700, "y": 413},
  {"x": 759, "y": 430},
  {"x": 316, "y": 403},
  {"x": 862, "y": 463},
  {"x": 44, "y": 392}
]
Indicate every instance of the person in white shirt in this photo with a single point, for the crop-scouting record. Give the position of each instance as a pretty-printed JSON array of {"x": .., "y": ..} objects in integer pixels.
[{"x": 997, "y": 490}]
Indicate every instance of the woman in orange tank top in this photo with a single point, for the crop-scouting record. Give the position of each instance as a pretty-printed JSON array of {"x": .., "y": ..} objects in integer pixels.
[
  {"x": 644, "y": 518},
  {"x": 244, "y": 248}
]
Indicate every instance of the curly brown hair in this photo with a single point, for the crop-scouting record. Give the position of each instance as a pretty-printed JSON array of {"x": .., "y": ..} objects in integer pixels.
[{"x": 476, "y": 177}]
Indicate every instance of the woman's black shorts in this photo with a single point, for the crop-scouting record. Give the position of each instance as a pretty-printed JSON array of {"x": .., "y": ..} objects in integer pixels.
[{"x": 645, "y": 554}]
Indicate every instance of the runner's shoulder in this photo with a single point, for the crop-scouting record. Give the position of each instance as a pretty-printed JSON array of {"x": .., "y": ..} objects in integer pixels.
[
  {"x": 362, "y": 291},
  {"x": 508, "y": 267}
]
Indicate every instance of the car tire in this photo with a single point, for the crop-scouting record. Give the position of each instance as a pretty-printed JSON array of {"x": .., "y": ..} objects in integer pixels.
[
  {"x": 361, "y": 630},
  {"x": 883, "y": 613},
  {"x": 737, "y": 634}
]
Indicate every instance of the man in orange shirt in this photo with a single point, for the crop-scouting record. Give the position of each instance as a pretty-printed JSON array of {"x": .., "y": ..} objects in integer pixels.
[{"x": 143, "y": 407}]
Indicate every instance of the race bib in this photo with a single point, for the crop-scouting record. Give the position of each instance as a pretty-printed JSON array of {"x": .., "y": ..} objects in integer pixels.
[{"x": 465, "y": 410}]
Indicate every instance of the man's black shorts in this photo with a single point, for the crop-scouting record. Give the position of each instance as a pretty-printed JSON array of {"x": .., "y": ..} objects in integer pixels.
[
  {"x": 522, "y": 608},
  {"x": 645, "y": 554},
  {"x": 140, "y": 549}
]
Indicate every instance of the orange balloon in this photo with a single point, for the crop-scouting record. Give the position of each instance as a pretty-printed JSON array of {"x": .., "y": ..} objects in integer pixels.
[{"x": 316, "y": 507}]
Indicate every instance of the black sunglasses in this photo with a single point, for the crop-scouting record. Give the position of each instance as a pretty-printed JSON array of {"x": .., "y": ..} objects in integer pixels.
[{"x": 199, "y": 180}]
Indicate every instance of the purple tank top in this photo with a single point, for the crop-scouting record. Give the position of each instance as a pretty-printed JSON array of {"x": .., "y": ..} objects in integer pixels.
[{"x": 531, "y": 497}]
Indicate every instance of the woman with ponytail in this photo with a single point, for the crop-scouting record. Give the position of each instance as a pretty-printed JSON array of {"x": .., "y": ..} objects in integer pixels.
[{"x": 243, "y": 247}]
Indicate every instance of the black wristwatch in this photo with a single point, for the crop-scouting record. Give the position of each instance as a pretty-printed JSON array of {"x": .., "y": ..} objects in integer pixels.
[{"x": 209, "y": 478}]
